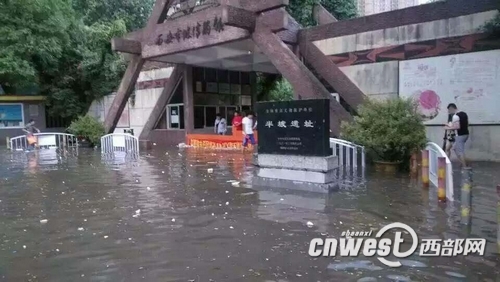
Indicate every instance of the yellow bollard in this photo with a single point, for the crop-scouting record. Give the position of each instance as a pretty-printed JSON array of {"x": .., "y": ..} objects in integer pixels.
[
  {"x": 425, "y": 168},
  {"x": 466, "y": 195},
  {"x": 414, "y": 165},
  {"x": 498, "y": 218},
  {"x": 441, "y": 179}
]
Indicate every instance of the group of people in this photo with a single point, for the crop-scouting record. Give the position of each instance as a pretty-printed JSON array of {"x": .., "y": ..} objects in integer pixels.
[
  {"x": 456, "y": 133},
  {"x": 243, "y": 122}
]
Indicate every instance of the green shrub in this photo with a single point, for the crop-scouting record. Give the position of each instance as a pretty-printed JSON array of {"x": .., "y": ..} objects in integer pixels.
[
  {"x": 391, "y": 129},
  {"x": 89, "y": 128}
]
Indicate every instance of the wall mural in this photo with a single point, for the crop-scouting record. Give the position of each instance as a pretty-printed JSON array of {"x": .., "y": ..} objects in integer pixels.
[{"x": 417, "y": 50}]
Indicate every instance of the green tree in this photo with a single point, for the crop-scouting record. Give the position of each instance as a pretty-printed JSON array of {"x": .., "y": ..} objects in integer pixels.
[
  {"x": 134, "y": 13},
  {"x": 492, "y": 26},
  {"x": 87, "y": 71},
  {"x": 302, "y": 10},
  {"x": 33, "y": 35}
]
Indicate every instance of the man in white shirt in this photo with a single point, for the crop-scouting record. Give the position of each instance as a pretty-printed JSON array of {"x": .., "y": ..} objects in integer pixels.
[
  {"x": 248, "y": 128},
  {"x": 220, "y": 125}
]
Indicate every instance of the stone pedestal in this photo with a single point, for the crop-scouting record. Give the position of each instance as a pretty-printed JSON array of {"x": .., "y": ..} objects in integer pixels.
[{"x": 317, "y": 174}]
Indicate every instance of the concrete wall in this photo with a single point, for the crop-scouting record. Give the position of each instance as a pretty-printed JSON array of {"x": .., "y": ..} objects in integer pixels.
[
  {"x": 38, "y": 118},
  {"x": 458, "y": 26},
  {"x": 381, "y": 80},
  {"x": 135, "y": 114}
]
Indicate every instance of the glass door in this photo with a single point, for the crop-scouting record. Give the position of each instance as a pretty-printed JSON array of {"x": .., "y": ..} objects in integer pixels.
[{"x": 210, "y": 115}]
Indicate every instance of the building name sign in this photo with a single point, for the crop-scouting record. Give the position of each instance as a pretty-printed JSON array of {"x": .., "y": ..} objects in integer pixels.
[{"x": 195, "y": 31}]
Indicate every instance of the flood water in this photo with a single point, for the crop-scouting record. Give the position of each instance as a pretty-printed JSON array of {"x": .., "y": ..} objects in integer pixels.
[{"x": 167, "y": 218}]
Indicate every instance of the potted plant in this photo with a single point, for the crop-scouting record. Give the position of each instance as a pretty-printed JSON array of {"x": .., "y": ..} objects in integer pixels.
[
  {"x": 391, "y": 130},
  {"x": 88, "y": 129}
]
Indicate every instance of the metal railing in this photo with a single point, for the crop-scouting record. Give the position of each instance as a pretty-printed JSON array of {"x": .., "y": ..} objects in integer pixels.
[
  {"x": 45, "y": 140},
  {"x": 435, "y": 151},
  {"x": 350, "y": 155},
  {"x": 119, "y": 142}
]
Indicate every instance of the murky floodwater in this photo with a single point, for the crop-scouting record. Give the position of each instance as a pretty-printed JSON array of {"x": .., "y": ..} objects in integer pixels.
[{"x": 166, "y": 218}]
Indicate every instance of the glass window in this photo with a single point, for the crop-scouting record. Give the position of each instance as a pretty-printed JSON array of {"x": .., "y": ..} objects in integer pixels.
[
  {"x": 178, "y": 96},
  {"x": 210, "y": 115},
  {"x": 199, "y": 117},
  {"x": 222, "y": 112},
  {"x": 11, "y": 116},
  {"x": 230, "y": 115},
  {"x": 223, "y": 76},
  {"x": 175, "y": 116},
  {"x": 198, "y": 74},
  {"x": 245, "y": 78},
  {"x": 234, "y": 77},
  {"x": 210, "y": 75}
]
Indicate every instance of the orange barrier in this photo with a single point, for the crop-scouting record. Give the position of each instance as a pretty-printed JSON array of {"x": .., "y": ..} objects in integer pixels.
[{"x": 213, "y": 141}]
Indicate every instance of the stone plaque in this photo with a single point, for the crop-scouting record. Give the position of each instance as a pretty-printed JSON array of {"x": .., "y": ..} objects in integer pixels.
[{"x": 299, "y": 127}]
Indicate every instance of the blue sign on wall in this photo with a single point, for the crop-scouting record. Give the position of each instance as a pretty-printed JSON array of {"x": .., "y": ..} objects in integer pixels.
[{"x": 11, "y": 112}]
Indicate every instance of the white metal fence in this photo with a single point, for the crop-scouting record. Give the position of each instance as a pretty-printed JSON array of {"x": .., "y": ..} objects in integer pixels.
[
  {"x": 45, "y": 140},
  {"x": 119, "y": 142},
  {"x": 435, "y": 151},
  {"x": 350, "y": 155}
]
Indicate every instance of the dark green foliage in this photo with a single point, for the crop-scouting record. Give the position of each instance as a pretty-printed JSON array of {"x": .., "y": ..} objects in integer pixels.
[
  {"x": 33, "y": 35},
  {"x": 302, "y": 10},
  {"x": 391, "y": 129},
  {"x": 87, "y": 127},
  {"x": 493, "y": 26},
  {"x": 63, "y": 47}
]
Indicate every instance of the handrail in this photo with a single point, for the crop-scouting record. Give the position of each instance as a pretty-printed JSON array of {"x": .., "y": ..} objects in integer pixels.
[
  {"x": 119, "y": 142},
  {"x": 350, "y": 156},
  {"x": 61, "y": 139},
  {"x": 436, "y": 151}
]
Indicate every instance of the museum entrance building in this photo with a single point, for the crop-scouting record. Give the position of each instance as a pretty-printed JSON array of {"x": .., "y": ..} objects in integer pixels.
[{"x": 217, "y": 48}]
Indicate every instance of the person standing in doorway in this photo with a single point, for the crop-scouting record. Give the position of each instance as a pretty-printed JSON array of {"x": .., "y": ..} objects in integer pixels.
[
  {"x": 220, "y": 125},
  {"x": 237, "y": 121},
  {"x": 460, "y": 123},
  {"x": 248, "y": 127}
]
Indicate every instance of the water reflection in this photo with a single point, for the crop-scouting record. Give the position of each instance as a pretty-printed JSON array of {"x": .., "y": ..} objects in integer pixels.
[{"x": 192, "y": 215}]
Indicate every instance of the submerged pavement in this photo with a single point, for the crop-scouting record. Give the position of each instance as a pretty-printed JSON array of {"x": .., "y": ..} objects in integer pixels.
[{"x": 193, "y": 215}]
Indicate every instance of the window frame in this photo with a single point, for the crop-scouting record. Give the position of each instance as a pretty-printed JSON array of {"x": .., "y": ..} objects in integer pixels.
[
  {"x": 169, "y": 106},
  {"x": 23, "y": 121}
]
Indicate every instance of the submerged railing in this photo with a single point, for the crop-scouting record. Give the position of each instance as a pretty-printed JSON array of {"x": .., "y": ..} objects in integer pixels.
[
  {"x": 435, "y": 151},
  {"x": 45, "y": 140},
  {"x": 119, "y": 142},
  {"x": 350, "y": 155}
]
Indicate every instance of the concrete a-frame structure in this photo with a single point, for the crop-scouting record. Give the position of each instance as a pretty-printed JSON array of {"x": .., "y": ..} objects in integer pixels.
[
  {"x": 256, "y": 35},
  {"x": 237, "y": 27}
]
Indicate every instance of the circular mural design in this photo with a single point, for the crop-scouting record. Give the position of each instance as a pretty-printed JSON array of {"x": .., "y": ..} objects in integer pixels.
[{"x": 428, "y": 103}]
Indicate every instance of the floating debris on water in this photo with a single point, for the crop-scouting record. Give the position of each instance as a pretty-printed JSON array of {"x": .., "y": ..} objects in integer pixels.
[
  {"x": 362, "y": 264},
  {"x": 173, "y": 219},
  {"x": 399, "y": 278},
  {"x": 235, "y": 184},
  {"x": 210, "y": 170},
  {"x": 309, "y": 224},
  {"x": 105, "y": 236},
  {"x": 412, "y": 263},
  {"x": 454, "y": 274},
  {"x": 43, "y": 221},
  {"x": 80, "y": 229}
]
